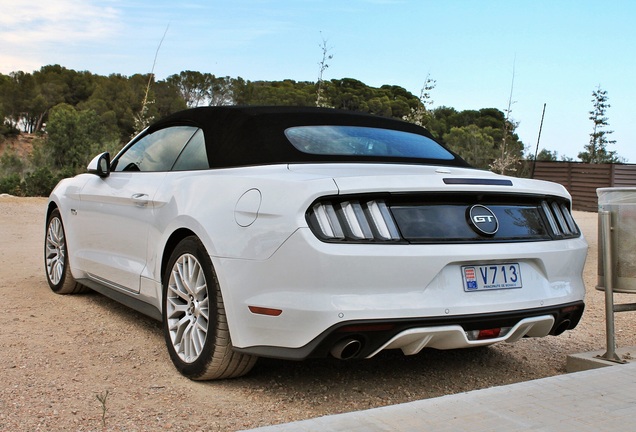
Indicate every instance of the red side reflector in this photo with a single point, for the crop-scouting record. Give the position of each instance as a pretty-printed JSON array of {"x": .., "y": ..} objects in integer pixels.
[
  {"x": 489, "y": 334},
  {"x": 265, "y": 311}
]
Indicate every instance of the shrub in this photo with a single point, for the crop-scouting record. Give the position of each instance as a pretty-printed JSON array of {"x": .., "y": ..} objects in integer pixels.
[
  {"x": 12, "y": 184},
  {"x": 42, "y": 181}
]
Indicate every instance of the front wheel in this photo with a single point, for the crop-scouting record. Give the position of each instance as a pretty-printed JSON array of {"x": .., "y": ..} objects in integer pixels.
[
  {"x": 194, "y": 321},
  {"x": 56, "y": 263}
]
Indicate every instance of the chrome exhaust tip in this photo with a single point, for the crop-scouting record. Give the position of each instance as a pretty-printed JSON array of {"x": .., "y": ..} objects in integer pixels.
[{"x": 346, "y": 349}]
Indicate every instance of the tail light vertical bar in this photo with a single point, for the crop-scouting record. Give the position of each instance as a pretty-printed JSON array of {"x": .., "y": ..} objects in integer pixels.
[{"x": 352, "y": 220}]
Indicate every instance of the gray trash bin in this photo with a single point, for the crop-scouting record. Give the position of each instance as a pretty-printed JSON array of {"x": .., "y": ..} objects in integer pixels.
[{"x": 621, "y": 203}]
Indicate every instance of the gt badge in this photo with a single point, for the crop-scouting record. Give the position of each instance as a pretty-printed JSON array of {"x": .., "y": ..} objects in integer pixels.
[{"x": 483, "y": 220}]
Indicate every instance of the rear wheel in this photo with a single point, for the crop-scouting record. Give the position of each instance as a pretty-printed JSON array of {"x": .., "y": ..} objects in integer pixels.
[
  {"x": 194, "y": 321},
  {"x": 58, "y": 272}
]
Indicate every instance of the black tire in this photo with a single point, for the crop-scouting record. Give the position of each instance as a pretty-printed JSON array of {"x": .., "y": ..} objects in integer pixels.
[
  {"x": 56, "y": 264},
  {"x": 194, "y": 321}
]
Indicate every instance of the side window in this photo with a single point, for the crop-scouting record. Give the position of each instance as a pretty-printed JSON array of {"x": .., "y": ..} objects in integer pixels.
[
  {"x": 194, "y": 156},
  {"x": 156, "y": 151}
]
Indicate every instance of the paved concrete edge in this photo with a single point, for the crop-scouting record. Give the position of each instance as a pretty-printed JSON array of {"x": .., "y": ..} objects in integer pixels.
[
  {"x": 593, "y": 359},
  {"x": 593, "y": 400}
]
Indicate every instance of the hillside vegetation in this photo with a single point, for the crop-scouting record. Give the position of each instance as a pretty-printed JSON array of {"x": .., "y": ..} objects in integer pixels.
[{"x": 56, "y": 119}]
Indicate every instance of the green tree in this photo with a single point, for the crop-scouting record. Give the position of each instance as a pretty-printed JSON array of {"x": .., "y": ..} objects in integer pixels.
[
  {"x": 195, "y": 87},
  {"x": 350, "y": 94},
  {"x": 74, "y": 137},
  {"x": 241, "y": 91},
  {"x": 167, "y": 99},
  {"x": 199, "y": 89},
  {"x": 547, "y": 156},
  {"x": 441, "y": 121},
  {"x": 472, "y": 144},
  {"x": 222, "y": 91},
  {"x": 7, "y": 94},
  {"x": 116, "y": 102},
  {"x": 489, "y": 121},
  {"x": 16, "y": 92},
  {"x": 50, "y": 86},
  {"x": 286, "y": 92},
  {"x": 596, "y": 150}
]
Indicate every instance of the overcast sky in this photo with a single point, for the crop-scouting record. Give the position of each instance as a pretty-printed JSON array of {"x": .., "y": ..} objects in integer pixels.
[{"x": 558, "y": 51}]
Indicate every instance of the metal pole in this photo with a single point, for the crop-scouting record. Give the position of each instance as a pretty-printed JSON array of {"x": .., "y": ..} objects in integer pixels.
[
  {"x": 606, "y": 231},
  {"x": 536, "y": 150}
]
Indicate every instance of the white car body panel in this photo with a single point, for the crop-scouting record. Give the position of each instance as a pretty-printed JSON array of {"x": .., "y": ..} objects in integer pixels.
[
  {"x": 123, "y": 206},
  {"x": 328, "y": 283},
  {"x": 361, "y": 178}
]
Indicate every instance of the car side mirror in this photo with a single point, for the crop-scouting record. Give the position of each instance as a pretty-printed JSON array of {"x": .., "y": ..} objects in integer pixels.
[{"x": 100, "y": 165}]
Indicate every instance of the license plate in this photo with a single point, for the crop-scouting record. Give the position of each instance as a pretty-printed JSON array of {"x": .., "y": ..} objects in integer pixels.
[{"x": 491, "y": 276}]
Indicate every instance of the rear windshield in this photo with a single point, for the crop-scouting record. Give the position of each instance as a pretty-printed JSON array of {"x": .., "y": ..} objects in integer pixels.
[{"x": 364, "y": 141}]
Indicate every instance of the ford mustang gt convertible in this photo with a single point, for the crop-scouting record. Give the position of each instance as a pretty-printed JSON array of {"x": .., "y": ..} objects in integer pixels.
[{"x": 298, "y": 233}]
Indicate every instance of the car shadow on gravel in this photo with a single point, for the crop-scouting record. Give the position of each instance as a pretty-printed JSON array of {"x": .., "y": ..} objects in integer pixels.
[
  {"x": 388, "y": 378},
  {"x": 393, "y": 366},
  {"x": 121, "y": 312}
]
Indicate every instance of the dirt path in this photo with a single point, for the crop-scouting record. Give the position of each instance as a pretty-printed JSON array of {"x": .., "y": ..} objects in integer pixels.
[{"x": 59, "y": 353}]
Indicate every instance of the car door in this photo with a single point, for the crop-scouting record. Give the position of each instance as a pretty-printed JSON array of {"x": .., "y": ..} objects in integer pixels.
[{"x": 117, "y": 211}]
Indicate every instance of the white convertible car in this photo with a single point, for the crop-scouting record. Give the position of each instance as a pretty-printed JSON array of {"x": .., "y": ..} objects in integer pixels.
[{"x": 303, "y": 232}]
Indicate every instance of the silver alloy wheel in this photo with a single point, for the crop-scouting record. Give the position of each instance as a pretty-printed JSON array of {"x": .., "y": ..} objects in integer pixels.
[
  {"x": 187, "y": 308},
  {"x": 55, "y": 251}
]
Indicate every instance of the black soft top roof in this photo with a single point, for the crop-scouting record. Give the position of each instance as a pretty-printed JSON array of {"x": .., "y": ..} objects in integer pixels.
[{"x": 255, "y": 135}]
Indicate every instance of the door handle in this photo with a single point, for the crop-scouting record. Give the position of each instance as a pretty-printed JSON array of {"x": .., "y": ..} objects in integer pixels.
[{"x": 140, "y": 199}]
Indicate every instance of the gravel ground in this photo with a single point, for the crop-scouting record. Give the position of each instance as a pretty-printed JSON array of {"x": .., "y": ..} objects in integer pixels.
[{"x": 61, "y": 354}]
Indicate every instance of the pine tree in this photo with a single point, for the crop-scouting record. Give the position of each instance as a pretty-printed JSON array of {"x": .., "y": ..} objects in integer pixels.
[{"x": 596, "y": 150}]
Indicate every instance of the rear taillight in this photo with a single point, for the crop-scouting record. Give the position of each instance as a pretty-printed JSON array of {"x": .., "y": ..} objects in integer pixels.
[
  {"x": 353, "y": 220},
  {"x": 559, "y": 219}
]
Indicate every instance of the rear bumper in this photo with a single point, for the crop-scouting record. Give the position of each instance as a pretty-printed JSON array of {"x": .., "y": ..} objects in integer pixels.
[
  {"x": 412, "y": 335},
  {"x": 320, "y": 287}
]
